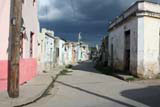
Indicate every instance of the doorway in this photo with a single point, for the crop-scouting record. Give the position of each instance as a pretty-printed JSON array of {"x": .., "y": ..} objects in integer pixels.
[
  {"x": 112, "y": 56},
  {"x": 127, "y": 51}
]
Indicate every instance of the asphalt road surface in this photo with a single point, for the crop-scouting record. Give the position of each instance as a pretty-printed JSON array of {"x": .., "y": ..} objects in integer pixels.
[{"x": 85, "y": 87}]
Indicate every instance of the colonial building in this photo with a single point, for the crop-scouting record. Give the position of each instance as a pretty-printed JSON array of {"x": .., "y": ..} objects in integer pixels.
[
  {"x": 74, "y": 52},
  {"x": 28, "y": 62},
  {"x": 81, "y": 51},
  {"x": 46, "y": 40},
  {"x": 68, "y": 51},
  {"x": 84, "y": 55},
  {"x": 61, "y": 51},
  {"x": 54, "y": 51},
  {"x": 134, "y": 40}
]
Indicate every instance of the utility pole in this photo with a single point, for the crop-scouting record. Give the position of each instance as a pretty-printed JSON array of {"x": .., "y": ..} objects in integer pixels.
[{"x": 14, "y": 56}]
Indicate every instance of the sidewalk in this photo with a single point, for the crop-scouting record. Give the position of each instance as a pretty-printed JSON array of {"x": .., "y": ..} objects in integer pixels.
[{"x": 30, "y": 91}]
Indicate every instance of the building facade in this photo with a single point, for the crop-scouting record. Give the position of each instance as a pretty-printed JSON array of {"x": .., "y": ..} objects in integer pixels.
[
  {"x": 46, "y": 50},
  {"x": 54, "y": 51},
  {"x": 84, "y": 52},
  {"x": 28, "y": 63},
  {"x": 62, "y": 52},
  {"x": 134, "y": 40}
]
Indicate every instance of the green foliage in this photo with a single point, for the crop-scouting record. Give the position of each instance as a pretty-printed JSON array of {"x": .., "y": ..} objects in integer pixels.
[
  {"x": 65, "y": 72},
  {"x": 69, "y": 66},
  {"x": 131, "y": 79},
  {"x": 92, "y": 49},
  {"x": 107, "y": 70},
  {"x": 115, "y": 73},
  {"x": 158, "y": 76}
]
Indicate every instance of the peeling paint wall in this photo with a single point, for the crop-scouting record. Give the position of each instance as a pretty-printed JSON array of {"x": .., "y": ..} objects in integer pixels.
[
  {"x": 31, "y": 23},
  {"x": 46, "y": 50},
  {"x": 117, "y": 38},
  {"x": 144, "y": 26},
  {"x": 4, "y": 28},
  {"x": 148, "y": 41},
  {"x": 61, "y": 52},
  {"x": 151, "y": 47},
  {"x": 28, "y": 64}
]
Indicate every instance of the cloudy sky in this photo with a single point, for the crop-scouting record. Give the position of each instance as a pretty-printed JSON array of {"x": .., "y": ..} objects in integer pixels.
[{"x": 91, "y": 17}]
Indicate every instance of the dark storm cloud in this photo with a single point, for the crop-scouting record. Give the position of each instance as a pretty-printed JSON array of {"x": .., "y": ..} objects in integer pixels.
[{"x": 91, "y": 17}]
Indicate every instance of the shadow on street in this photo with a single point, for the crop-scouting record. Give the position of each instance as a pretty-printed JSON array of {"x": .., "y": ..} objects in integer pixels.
[
  {"x": 87, "y": 66},
  {"x": 95, "y": 94},
  {"x": 149, "y": 96}
]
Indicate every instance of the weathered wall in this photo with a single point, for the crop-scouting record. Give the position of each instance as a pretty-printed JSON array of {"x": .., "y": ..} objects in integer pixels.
[
  {"x": 41, "y": 52},
  {"x": 4, "y": 42},
  {"x": 117, "y": 38},
  {"x": 46, "y": 50},
  {"x": 61, "y": 52},
  {"x": 28, "y": 66},
  {"x": 149, "y": 47},
  {"x": 49, "y": 52},
  {"x": 31, "y": 23},
  {"x": 146, "y": 6},
  {"x": 4, "y": 28},
  {"x": 144, "y": 39},
  {"x": 70, "y": 54},
  {"x": 140, "y": 47}
]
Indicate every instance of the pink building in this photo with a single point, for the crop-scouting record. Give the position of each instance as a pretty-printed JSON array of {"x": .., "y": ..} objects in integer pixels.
[{"x": 28, "y": 62}]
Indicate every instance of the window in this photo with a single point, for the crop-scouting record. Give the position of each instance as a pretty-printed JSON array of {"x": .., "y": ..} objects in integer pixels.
[
  {"x": 127, "y": 51},
  {"x": 57, "y": 52},
  {"x": 21, "y": 44},
  {"x": 127, "y": 39},
  {"x": 23, "y": 1},
  {"x": 31, "y": 44},
  {"x": 34, "y": 2},
  {"x": 41, "y": 45}
]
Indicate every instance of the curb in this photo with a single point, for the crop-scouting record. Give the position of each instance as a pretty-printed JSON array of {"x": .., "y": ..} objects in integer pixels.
[
  {"x": 123, "y": 78},
  {"x": 119, "y": 77},
  {"x": 40, "y": 95}
]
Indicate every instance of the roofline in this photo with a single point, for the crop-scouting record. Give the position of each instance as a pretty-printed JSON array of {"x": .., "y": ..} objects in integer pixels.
[
  {"x": 136, "y": 14},
  {"x": 139, "y": 1},
  {"x": 49, "y": 36},
  {"x": 61, "y": 38},
  {"x": 148, "y": 1}
]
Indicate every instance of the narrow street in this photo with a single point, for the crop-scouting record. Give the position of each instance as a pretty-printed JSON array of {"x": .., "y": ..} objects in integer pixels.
[{"x": 85, "y": 87}]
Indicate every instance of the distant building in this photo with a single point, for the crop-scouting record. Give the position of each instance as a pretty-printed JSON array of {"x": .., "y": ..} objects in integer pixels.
[
  {"x": 74, "y": 52},
  {"x": 103, "y": 57},
  {"x": 84, "y": 52},
  {"x": 46, "y": 50},
  {"x": 61, "y": 48},
  {"x": 28, "y": 61},
  {"x": 54, "y": 51},
  {"x": 68, "y": 52},
  {"x": 134, "y": 40}
]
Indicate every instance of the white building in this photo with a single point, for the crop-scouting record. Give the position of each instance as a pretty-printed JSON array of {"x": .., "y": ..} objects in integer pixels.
[
  {"x": 54, "y": 51},
  {"x": 134, "y": 40},
  {"x": 68, "y": 53},
  {"x": 82, "y": 51},
  {"x": 46, "y": 50},
  {"x": 60, "y": 51}
]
